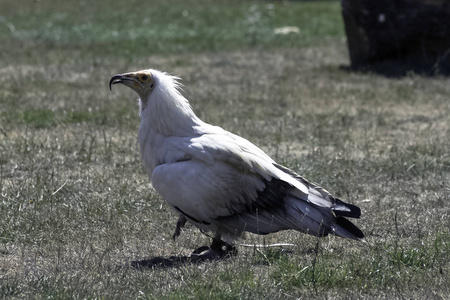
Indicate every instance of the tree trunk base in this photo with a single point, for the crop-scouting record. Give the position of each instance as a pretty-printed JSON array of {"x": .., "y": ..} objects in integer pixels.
[{"x": 398, "y": 36}]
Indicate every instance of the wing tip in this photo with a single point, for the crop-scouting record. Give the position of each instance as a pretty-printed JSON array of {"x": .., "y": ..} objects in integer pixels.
[{"x": 342, "y": 209}]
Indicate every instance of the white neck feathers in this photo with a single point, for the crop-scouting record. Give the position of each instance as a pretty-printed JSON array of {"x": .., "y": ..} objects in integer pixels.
[{"x": 166, "y": 111}]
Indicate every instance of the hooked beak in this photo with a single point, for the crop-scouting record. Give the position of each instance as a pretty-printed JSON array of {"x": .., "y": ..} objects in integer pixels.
[{"x": 122, "y": 78}]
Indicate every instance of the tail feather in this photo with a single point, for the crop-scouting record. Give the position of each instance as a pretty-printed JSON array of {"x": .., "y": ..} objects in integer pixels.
[
  {"x": 347, "y": 229},
  {"x": 279, "y": 207}
]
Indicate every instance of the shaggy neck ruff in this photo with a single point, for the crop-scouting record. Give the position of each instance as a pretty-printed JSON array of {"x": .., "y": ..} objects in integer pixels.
[{"x": 166, "y": 111}]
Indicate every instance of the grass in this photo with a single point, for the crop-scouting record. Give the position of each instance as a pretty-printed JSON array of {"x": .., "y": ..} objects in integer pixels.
[
  {"x": 129, "y": 29},
  {"x": 77, "y": 208}
]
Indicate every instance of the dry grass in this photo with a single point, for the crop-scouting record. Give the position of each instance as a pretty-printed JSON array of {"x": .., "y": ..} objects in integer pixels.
[{"x": 77, "y": 208}]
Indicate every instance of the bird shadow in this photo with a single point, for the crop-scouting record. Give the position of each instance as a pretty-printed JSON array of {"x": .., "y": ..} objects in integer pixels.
[{"x": 160, "y": 262}]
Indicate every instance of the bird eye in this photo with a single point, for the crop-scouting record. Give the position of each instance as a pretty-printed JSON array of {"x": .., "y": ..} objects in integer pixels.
[{"x": 144, "y": 77}]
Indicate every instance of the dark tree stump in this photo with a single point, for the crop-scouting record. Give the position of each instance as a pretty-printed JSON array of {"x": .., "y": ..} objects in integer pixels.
[{"x": 386, "y": 33}]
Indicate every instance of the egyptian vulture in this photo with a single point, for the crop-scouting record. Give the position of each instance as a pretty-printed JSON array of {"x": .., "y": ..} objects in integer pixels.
[{"x": 221, "y": 182}]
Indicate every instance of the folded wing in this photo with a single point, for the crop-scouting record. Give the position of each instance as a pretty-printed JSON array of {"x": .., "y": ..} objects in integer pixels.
[{"x": 226, "y": 184}]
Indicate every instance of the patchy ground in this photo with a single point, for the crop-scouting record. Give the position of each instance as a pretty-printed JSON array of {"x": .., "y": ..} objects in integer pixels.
[{"x": 77, "y": 208}]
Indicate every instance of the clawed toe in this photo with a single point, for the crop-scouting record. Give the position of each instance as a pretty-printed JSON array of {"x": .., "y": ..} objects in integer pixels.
[
  {"x": 206, "y": 254},
  {"x": 218, "y": 250}
]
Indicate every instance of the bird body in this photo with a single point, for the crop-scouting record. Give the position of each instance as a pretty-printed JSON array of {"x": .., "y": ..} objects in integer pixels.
[{"x": 219, "y": 181}]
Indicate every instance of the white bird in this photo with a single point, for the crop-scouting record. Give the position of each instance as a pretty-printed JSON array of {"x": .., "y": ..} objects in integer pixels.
[{"x": 221, "y": 182}]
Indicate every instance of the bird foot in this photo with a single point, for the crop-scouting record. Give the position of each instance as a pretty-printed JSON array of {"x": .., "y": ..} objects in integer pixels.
[{"x": 218, "y": 250}]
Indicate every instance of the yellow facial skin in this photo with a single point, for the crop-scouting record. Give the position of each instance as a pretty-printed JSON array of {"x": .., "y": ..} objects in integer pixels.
[{"x": 141, "y": 82}]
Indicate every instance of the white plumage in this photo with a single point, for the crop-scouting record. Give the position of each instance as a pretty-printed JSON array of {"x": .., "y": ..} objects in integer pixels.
[{"x": 222, "y": 182}]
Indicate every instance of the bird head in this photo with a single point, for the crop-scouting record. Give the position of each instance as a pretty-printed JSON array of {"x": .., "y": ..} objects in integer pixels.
[
  {"x": 142, "y": 82},
  {"x": 160, "y": 101}
]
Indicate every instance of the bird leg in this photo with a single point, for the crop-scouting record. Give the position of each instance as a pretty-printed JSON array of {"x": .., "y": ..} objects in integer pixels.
[
  {"x": 218, "y": 250},
  {"x": 180, "y": 224}
]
